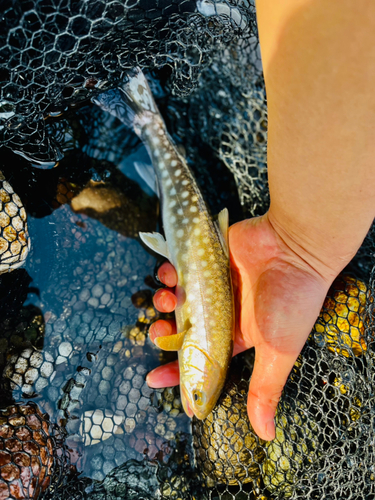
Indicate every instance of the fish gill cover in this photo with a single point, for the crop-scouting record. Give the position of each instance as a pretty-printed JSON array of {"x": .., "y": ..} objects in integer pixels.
[{"x": 83, "y": 364}]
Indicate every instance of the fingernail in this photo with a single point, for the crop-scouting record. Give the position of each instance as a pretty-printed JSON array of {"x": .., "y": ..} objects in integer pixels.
[{"x": 270, "y": 430}]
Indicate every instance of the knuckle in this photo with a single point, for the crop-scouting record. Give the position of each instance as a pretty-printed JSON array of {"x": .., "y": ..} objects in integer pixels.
[{"x": 267, "y": 397}]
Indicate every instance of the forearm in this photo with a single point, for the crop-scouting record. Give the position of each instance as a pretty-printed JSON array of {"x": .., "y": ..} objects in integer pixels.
[{"x": 319, "y": 67}]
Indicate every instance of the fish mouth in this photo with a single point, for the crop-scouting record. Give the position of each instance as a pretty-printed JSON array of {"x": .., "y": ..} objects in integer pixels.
[
  {"x": 185, "y": 403},
  {"x": 200, "y": 415}
]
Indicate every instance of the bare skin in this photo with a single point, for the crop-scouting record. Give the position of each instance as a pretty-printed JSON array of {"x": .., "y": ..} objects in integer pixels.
[
  {"x": 319, "y": 69},
  {"x": 278, "y": 297}
]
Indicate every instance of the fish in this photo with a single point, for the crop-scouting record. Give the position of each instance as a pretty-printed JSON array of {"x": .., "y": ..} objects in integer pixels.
[{"x": 196, "y": 245}]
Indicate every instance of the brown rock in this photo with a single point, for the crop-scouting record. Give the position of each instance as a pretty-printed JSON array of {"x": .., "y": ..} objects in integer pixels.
[
  {"x": 10, "y": 472},
  {"x": 17, "y": 491},
  {"x": 33, "y": 422},
  {"x": 35, "y": 466},
  {"x": 13, "y": 445},
  {"x": 31, "y": 448},
  {"x": 16, "y": 421},
  {"x": 4, "y": 458},
  {"x": 39, "y": 438},
  {"x": 6, "y": 431},
  {"x": 25, "y": 476},
  {"x": 4, "y": 491},
  {"x": 21, "y": 459}
]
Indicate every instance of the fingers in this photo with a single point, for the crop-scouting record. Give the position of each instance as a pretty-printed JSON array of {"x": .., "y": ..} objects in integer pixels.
[
  {"x": 162, "y": 328},
  {"x": 167, "y": 375},
  {"x": 164, "y": 376},
  {"x": 271, "y": 370},
  {"x": 165, "y": 300},
  {"x": 167, "y": 274}
]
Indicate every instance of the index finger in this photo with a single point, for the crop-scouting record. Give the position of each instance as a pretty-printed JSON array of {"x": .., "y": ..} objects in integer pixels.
[{"x": 167, "y": 274}]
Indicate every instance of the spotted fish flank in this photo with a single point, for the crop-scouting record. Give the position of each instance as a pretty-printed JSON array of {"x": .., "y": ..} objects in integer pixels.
[{"x": 197, "y": 247}]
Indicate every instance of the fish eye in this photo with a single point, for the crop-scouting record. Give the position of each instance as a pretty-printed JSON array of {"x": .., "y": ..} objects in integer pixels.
[{"x": 198, "y": 397}]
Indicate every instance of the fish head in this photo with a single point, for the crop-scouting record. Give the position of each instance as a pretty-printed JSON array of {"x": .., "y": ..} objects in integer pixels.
[{"x": 201, "y": 381}]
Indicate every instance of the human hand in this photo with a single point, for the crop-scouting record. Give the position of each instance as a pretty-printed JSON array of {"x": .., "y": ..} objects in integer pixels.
[{"x": 278, "y": 296}]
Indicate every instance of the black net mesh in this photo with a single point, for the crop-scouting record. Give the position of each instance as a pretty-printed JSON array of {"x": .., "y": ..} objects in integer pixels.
[
  {"x": 321, "y": 444},
  {"x": 57, "y": 54},
  {"x": 84, "y": 361}
]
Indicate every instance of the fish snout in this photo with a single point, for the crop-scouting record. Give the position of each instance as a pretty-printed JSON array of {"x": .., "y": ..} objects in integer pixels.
[{"x": 201, "y": 381}]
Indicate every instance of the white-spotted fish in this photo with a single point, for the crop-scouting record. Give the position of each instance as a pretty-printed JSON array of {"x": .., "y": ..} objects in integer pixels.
[{"x": 196, "y": 246}]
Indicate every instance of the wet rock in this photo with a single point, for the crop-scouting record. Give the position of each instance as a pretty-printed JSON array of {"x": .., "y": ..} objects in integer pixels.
[{"x": 29, "y": 456}]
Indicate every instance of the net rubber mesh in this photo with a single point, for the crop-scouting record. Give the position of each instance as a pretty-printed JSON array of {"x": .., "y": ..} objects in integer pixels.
[{"x": 202, "y": 58}]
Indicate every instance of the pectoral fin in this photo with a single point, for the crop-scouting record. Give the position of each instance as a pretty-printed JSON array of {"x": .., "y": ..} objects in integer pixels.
[
  {"x": 156, "y": 242},
  {"x": 223, "y": 224},
  {"x": 171, "y": 342}
]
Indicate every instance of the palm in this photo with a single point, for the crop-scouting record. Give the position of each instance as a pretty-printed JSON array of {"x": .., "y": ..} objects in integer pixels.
[{"x": 278, "y": 297}]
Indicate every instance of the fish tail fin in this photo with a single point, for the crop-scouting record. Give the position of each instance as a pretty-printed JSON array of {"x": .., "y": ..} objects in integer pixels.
[
  {"x": 137, "y": 93},
  {"x": 131, "y": 99},
  {"x": 112, "y": 101}
]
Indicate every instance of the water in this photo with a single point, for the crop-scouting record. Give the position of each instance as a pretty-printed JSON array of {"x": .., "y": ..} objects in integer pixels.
[
  {"x": 74, "y": 342},
  {"x": 85, "y": 309}
]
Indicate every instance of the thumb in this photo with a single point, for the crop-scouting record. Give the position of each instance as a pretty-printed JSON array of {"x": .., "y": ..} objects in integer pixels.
[{"x": 271, "y": 370}]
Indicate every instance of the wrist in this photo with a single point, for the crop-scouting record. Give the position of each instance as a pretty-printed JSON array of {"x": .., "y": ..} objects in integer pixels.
[{"x": 322, "y": 255}]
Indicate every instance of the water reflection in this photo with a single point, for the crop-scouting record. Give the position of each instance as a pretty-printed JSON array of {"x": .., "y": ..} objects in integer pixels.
[{"x": 74, "y": 337}]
